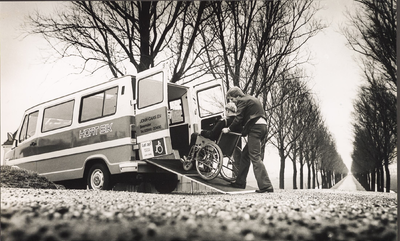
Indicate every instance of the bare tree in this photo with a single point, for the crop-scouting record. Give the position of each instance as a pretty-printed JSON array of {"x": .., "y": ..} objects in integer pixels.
[
  {"x": 112, "y": 34},
  {"x": 331, "y": 164},
  {"x": 255, "y": 42},
  {"x": 306, "y": 142},
  {"x": 363, "y": 164},
  {"x": 319, "y": 138},
  {"x": 373, "y": 33},
  {"x": 303, "y": 123},
  {"x": 186, "y": 49},
  {"x": 285, "y": 107},
  {"x": 375, "y": 109}
]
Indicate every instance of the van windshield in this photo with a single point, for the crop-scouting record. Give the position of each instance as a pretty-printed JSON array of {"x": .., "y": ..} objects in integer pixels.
[{"x": 29, "y": 126}]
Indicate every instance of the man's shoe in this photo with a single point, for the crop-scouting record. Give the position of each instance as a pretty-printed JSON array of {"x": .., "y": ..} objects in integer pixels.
[
  {"x": 265, "y": 190},
  {"x": 237, "y": 185}
]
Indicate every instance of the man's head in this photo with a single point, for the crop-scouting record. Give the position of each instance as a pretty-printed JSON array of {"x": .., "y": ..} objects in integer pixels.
[{"x": 233, "y": 93}]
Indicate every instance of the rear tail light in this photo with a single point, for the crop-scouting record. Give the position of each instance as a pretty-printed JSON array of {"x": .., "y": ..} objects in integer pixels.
[
  {"x": 133, "y": 135},
  {"x": 135, "y": 146}
]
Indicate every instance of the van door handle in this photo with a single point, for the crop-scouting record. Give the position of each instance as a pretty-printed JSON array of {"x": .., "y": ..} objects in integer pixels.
[{"x": 33, "y": 143}]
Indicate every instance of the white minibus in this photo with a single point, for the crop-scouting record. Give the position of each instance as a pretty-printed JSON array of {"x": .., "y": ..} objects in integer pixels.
[{"x": 102, "y": 134}]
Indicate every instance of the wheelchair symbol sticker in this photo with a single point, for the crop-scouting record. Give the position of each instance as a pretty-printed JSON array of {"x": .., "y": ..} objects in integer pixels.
[{"x": 158, "y": 147}]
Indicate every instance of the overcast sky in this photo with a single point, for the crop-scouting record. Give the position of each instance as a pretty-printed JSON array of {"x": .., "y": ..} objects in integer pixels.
[{"x": 27, "y": 80}]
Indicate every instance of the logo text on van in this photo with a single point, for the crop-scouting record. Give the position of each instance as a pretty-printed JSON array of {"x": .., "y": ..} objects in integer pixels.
[
  {"x": 148, "y": 127},
  {"x": 95, "y": 130}
]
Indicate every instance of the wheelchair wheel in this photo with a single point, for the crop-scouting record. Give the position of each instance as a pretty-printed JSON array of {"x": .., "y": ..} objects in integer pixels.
[
  {"x": 229, "y": 169},
  {"x": 209, "y": 161},
  {"x": 230, "y": 165}
]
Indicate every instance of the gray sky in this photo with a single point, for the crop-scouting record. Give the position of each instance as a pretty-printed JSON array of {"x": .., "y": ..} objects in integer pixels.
[{"x": 27, "y": 80}]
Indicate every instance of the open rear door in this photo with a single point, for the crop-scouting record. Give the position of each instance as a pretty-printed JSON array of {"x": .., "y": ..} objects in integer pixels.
[
  {"x": 210, "y": 98},
  {"x": 151, "y": 113}
]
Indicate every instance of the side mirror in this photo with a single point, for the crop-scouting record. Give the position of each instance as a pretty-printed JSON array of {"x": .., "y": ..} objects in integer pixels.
[{"x": 10, "y": 137}]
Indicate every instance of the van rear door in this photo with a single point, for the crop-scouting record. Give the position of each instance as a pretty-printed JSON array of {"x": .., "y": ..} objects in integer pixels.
[
  {"x": 210, "y": 97},
  {"x": 151, "y": 119}
]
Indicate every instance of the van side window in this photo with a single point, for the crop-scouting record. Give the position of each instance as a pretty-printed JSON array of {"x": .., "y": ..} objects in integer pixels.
[
  {"x": 150, "y": 90},
  {"x": 29, "y": 126},
  {"x": 110, "y": 102},
  {"x": 99, "y": 105},
  {"x": 58, "y": 116}
]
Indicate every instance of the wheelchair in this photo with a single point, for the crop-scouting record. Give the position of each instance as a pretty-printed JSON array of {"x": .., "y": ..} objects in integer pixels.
[{"x": 215, "y": 158}]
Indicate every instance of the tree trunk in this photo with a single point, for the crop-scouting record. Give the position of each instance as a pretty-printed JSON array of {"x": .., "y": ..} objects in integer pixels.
[
  {"x": 323, "y": 178},
  {"x": 387, "y": 172},
  {"x": 301, "y": 176},
  {"x": 308, "y": 175},
  {"x": 372, "y": 184},
  {"x": 301, "y": 169},
  {"x": 314, "y": 175},
  {"x": 144, "y": 31},
  {"x": 338, "y": 177},
  {"x": 378, "y": 179},
  {"x": 382, "y": 179},
  {"x": 329, "y": 179},
  {"x": 368, "y": 182},
  {"x": 294, "y": 174},
  {"x": 294, "y": 181},
  {"x": 282, "y": 170}
]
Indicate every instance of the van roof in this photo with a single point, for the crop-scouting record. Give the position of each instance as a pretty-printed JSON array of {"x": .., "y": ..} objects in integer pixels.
[{"x": 78, "y": 91}]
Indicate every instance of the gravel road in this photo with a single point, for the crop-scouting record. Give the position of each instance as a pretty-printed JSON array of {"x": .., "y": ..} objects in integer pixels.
[{"x": 40, "y": 214}]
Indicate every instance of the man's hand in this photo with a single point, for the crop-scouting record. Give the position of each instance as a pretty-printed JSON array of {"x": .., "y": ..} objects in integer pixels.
[{"x": 226, "y": 130}]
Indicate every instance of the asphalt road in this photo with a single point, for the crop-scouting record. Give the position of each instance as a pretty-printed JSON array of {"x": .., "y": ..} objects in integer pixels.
[{"x": 34, "y": 214}]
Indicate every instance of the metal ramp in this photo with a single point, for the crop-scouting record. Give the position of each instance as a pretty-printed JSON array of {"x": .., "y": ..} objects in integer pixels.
[{"x": 218, "y": 184}]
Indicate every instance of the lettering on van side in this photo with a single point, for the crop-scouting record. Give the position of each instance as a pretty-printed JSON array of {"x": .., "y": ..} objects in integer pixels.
[
  {"x": 150, "y": 118},
  {"x": 147, "y": 127},
  {"x": 95, "y": 130}
]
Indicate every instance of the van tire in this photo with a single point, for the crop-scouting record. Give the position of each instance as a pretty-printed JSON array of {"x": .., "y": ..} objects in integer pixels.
[
  {"x": 165, "y": 182},
  {"x": 99, "y": 177}
]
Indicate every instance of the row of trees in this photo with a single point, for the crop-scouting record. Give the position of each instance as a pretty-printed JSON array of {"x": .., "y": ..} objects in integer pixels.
[
  {"x": 299, "y": 133},
  {"x": 251, "y": 44},
  {"x": 373, "y": 35}
]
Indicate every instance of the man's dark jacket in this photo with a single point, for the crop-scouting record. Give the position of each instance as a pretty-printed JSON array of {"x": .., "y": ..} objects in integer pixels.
[{"x": 249, "y": 111}]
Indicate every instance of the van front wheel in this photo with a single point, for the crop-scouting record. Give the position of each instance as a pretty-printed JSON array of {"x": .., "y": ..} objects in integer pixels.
[{"x": 98, "y": 177}]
